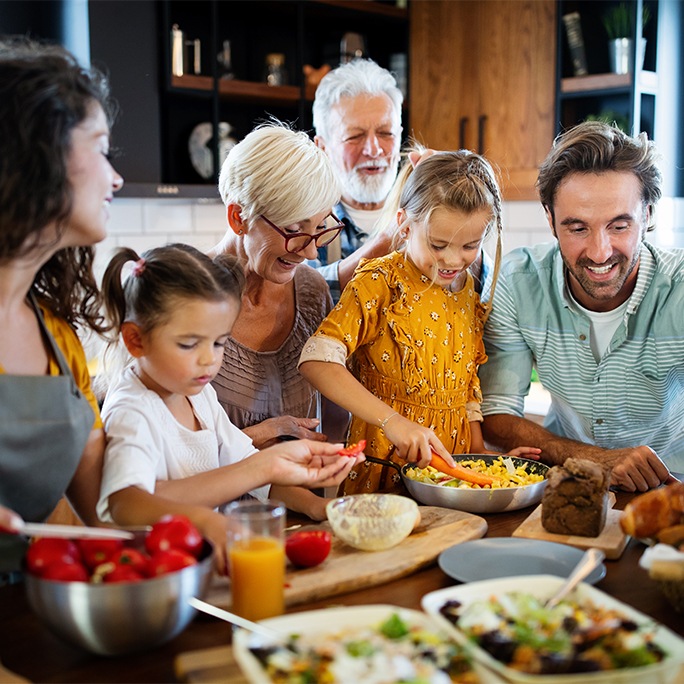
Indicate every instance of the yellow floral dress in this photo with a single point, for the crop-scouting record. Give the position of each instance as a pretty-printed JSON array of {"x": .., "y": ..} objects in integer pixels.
[{"x": 416, "y": 346}]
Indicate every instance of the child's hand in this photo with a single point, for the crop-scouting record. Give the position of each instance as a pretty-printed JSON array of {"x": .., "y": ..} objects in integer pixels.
[
  {"x": 214, "y": 527},
  {"x": 309, "y": 464},
  {"x": 415, "y": 443},
  {"x": 525, "y": 452}
]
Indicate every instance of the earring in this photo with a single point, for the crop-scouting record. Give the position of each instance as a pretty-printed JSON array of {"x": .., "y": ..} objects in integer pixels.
[
  {"x": 241, "y": 232},
  {"x": 403, "y": 234}
]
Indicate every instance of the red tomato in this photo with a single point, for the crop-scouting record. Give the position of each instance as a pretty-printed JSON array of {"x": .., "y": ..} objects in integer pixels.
[
  {"x": 164, "y": 562},
  {"x": 98, "y": 551},
  {"x": 131, "y": 558},
  {"x": 123, "y": 573},
  {"x": 45, "y": 551},
  {"x": 308, "y": 547},
  {"x": 174, "y": 532},
  {"x": 353, "y": 449},
  {"x": 72, "y": 571}
]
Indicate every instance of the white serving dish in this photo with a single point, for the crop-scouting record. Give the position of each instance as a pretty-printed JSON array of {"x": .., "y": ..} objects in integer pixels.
[
  {"x": 316, "y": 622},
  {"x": 666, "y": 672}
]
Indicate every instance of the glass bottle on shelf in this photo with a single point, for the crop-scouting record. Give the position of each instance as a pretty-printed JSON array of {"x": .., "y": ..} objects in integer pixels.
[
  {"x": 275, "y": 69},
  {"x": 225, "y": 61}
]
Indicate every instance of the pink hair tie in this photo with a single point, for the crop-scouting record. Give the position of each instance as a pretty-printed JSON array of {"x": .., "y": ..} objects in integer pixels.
[{"x": 138, "y": 267}]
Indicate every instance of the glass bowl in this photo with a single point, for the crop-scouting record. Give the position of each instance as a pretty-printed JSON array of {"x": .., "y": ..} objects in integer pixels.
[{"x": 372, "y": 522}]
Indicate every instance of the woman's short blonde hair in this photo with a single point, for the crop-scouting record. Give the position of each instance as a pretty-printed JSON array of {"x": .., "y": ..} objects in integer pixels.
[{"x": 280, "y": 173}]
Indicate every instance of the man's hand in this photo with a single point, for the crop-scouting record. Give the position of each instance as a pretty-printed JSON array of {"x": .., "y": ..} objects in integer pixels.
[
  {"x": 636, "y": 469},
  {"x": 633, "y": 468},
  {"x": 415, "y": 157}
]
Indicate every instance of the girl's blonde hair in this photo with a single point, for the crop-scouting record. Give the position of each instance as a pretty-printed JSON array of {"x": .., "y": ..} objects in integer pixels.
[
  {"x": 280, "y": 173},
  {"x": 460, "y": 180},
  {"x": 149, "y": 294}
]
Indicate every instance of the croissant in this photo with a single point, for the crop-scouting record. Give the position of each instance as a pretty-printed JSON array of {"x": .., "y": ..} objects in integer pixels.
[{"x": 653, "y": 511}]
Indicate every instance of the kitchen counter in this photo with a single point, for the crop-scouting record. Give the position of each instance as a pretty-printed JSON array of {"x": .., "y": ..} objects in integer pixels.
[{"x": 32, "y": 651}]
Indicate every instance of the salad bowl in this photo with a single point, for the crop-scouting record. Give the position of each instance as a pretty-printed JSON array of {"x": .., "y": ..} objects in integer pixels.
[
  {"x": 542, "y": 587},
  {"x": 473, "y": 500}
]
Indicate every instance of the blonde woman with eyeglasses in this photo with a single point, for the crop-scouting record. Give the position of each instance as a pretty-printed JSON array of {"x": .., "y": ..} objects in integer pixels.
[{"x": 279, "y": 190}]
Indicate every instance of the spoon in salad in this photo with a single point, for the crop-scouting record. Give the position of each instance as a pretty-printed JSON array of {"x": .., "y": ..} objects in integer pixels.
[
  {"x": 234, "y": 619},
  {"x": 591, "y": 559}
]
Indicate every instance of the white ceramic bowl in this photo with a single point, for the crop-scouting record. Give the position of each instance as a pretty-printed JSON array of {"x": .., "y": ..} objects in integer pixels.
[
  {"x": 320, "y": 623},
  {"x": 121, "y": 617},
  {"x": 372, "y": 522},
  {"x": 544, "y": 586}
]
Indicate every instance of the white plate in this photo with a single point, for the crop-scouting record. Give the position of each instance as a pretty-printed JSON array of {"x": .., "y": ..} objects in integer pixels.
[
  {"x": 201, "y": 153},
  {"x": 483, "y": 559},
  {"x": 329, "y": 621},
  {"x": 544, "y": 586}
]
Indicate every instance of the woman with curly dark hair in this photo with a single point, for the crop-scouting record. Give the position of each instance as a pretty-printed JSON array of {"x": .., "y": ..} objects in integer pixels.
[{"x": 56, "y": 184}]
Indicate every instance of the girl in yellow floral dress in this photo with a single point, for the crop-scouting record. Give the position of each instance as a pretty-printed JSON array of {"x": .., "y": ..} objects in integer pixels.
[{"x": 401, "y": 349}]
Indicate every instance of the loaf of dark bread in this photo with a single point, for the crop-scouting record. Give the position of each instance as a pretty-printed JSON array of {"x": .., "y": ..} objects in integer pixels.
[{"x": 575, "y": 501}]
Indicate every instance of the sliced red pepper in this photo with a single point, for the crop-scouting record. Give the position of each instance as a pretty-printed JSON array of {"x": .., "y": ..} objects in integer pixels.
[{"x": 353, "y": 449}]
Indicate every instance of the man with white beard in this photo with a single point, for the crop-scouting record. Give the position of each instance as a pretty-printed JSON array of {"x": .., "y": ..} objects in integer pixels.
[{"x": 357, "y": 117}]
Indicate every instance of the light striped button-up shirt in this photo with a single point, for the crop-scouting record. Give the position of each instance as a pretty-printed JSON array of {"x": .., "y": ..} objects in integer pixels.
[{"x": 633, "y": 395}]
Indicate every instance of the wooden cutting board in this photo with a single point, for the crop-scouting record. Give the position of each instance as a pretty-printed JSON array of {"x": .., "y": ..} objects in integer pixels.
[
  {"x": 9, "y": 677},
  {"x": 347, "y": 569},
  {"x": 216, "y": 665},
  {"x": 611, "y": 541}
]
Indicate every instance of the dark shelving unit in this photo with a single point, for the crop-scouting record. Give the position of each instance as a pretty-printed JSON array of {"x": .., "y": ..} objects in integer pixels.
[
  {"x": 154, "y": 139},
  {"x": 630, "y": 97}
]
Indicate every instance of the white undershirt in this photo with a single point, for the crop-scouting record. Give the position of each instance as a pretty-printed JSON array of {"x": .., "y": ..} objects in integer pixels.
[
  {"x": 603, "y": 326},
  {"x": 365, "y": 219}
]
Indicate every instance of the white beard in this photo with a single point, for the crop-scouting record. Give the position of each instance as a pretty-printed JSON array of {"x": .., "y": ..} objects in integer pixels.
[{"x": 369, "y": 189}]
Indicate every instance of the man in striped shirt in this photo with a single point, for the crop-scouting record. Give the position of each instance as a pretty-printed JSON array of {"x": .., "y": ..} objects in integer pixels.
[{"x": 599, "y": 313}]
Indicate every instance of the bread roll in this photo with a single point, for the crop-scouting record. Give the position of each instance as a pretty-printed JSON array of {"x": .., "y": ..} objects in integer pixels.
[{"x": 653, "y": 511}]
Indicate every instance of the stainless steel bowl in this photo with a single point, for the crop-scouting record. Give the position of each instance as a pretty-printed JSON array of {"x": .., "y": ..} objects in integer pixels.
[
  {"x": 117, "y": 618},
  {"x": 475, "y": 500}
]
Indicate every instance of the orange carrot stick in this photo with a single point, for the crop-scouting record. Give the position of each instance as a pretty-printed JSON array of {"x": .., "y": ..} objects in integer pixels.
[{"x": 458, "y": 471}]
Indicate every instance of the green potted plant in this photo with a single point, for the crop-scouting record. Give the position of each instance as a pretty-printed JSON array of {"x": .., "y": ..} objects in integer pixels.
[{"x": 618, "y": 21}]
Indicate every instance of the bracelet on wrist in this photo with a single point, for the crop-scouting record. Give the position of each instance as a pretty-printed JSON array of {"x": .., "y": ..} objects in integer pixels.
[{"x": 386, "y": 420}]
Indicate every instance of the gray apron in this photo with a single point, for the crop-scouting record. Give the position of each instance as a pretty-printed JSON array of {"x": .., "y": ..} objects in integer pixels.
[{"x": 45, "y": 422}]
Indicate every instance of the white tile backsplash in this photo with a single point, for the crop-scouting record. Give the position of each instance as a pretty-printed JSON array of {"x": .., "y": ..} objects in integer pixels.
[
  {"x": 168, "y": 216},
  {"x": 145, "y": 223},
  {"x": 525, "y": 216},
  {"x": 669, "y": 231},
  {"x": 125, "y": 217},
  {"x": 209, "y": 218}
]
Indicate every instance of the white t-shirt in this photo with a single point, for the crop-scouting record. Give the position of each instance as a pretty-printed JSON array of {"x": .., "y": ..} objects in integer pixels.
[
  {"x": 145, "y": 443},
  {"x": 603, "y": 326},
  {"x": 364, "y": 219}
]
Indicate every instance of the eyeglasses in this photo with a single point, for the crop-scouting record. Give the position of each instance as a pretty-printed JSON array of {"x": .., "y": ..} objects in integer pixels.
[{"x": 296, "y": 242}]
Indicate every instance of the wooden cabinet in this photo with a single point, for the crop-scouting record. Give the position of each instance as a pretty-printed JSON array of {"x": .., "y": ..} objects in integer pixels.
[{"x": 483, "y": 78}]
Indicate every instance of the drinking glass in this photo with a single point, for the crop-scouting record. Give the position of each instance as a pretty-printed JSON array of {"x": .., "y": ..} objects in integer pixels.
[{"x": 256, "y": 550}]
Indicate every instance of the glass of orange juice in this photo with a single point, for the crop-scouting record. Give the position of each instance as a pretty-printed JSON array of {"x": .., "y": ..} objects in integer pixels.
[{"x": 256, "y": 548}]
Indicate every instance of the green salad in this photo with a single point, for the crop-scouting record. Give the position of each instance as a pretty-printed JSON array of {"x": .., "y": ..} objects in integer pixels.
[
  {"x": 520, "y": 632},
  {"x": 393, "y": 651}
]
